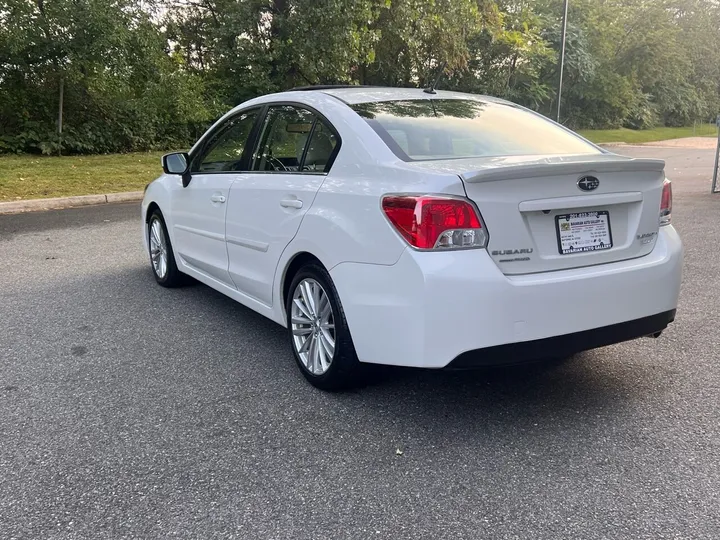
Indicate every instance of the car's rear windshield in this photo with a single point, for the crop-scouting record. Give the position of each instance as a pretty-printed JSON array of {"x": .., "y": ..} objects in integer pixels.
[{"x": 428, "y": 129}]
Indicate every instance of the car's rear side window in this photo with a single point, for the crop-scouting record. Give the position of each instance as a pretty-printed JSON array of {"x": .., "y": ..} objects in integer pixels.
[
  {"x": 293, "y": 139},
  {"x": 428, "y": 129}
]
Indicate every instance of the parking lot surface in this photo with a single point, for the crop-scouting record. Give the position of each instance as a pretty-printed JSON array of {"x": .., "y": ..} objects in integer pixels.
[{"x": 128, "y": 410}]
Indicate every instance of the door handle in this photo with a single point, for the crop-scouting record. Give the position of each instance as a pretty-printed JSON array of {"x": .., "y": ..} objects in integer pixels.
[
  {"x": 291, "y": 203},
  {"x": 218, "y": 198}
]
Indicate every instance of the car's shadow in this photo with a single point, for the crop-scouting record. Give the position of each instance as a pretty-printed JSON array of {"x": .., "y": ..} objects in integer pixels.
[
  {"x": 567, "y": 376},
  {"x": 581, "y": 390}
]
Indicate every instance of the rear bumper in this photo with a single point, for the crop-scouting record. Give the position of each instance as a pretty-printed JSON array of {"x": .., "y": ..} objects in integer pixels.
[
  {"x": 566, "y": 345},
  {"x": 429, "y": 309}
]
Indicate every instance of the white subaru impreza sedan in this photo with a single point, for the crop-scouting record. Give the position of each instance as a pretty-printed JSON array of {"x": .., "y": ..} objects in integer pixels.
[{"x": 417, "y": 228}]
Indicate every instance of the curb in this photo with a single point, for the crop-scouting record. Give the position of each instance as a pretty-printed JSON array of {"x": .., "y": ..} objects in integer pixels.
[{"x": 36, "y": 205}]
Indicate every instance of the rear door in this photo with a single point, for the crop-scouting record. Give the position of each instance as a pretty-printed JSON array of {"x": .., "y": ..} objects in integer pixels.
[
  {"x": 294, "y": 153},
  {"x": 199, "y": 210}
]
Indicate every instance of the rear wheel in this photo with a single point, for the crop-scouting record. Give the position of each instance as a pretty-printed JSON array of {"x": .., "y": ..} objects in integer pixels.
[
  {"x": 162, "y": 258},
  {"x": 318, "y": 331}
]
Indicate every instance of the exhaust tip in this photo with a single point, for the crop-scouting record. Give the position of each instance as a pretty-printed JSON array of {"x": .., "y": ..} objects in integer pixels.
[{"x": 655, "y": 335}]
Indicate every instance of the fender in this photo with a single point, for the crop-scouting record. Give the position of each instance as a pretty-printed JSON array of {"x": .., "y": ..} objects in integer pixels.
[{"x": 158, "y": 192}]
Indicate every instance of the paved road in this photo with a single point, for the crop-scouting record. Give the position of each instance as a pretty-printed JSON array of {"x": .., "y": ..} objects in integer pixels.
[{"x": 128, "y": 410}]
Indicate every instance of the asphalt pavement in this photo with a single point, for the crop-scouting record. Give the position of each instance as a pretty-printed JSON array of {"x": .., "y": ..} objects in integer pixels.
[{"x": 132, "y": 411}]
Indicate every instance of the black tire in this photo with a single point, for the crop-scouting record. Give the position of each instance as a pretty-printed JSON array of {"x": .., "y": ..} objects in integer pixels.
[
  {"x": 345, "y": 371},
  {"x": 173, "y": 277}
]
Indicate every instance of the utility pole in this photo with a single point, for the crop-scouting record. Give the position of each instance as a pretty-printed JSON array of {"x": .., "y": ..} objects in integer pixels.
[
  {"x": 562, "y": 59},
  {"x": 60, "y": 112}
]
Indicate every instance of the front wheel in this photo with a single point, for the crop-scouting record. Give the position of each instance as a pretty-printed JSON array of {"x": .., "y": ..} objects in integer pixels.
[
  {"x": 162, "y": 258},
  {"x": 318, "y": 331}
]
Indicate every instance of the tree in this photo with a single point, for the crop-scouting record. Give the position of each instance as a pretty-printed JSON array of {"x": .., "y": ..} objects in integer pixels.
[
  {"x": 141, "y": 74},
  {"x": 507, "y": 56},
  {"x": 122, "y": 91}
]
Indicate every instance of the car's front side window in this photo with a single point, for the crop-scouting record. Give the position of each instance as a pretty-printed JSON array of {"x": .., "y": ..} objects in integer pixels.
[
  {"x": 293, "y": 139},
  {"x": 224, "y": 151}
]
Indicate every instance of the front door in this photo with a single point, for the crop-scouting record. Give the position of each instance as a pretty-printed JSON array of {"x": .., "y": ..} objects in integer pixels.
[
  {"x": 266, "y": 206},
  {"x": 199, "y": 209}
]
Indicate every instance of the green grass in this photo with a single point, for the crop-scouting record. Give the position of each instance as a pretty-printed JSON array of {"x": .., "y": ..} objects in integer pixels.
[
  {"x": 38, "y": 177},
  {"x": 647, "y": 135}
]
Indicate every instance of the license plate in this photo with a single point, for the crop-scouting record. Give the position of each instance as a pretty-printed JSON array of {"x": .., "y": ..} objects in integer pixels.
[{"x": 584, "y": 231}]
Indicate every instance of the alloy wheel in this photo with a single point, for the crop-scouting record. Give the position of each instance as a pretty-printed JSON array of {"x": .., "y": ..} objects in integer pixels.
[
  {"x": 313, "y": 326},
  {"x": 158, "y": 248}
]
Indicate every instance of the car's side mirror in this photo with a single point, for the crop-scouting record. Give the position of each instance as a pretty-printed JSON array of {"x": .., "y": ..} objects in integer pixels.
[{"x": 177, "y": 163}]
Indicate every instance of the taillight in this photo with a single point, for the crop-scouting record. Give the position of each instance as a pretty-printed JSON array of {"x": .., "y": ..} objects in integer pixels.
[
  {"x": 435, "y": 222},
  {"x": 666, "y": 203}
]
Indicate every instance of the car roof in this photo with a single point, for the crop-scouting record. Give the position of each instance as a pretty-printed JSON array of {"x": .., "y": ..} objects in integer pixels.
[{"x": 353, "y": 95}]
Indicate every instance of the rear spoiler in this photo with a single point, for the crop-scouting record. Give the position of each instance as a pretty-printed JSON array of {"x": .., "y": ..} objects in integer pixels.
[{"x": 551, "y": 167}]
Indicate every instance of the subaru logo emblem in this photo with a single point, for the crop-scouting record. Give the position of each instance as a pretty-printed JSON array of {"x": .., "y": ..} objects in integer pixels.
[{"x": 588, "y": 183}]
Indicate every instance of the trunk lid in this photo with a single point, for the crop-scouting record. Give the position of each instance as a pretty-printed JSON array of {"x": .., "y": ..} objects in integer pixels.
[{"x": 546, "y": 213}]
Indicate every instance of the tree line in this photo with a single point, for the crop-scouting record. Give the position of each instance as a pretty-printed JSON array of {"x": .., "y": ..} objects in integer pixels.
[{"x": 153, "y": 74}]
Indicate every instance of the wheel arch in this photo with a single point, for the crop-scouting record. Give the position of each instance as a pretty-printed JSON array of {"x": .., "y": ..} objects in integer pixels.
[
  {"x": 294, "y": 264},
  {"x": 150, "y": 209}
]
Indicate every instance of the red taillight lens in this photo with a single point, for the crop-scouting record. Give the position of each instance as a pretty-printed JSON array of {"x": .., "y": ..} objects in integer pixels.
[
  {"x": 666, "y": 203},
  {"x": 434, "y": 222}
]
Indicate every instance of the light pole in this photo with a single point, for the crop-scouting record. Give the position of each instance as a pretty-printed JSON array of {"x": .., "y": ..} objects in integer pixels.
[
  {"x": 562, "y": 59},
  {"x": 713, "y": 189}
]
